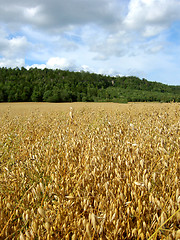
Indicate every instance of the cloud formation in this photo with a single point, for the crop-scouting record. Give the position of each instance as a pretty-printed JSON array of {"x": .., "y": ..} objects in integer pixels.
[
  {"x": 150, "y": 17},
  {"x": 138, "y": 37}
]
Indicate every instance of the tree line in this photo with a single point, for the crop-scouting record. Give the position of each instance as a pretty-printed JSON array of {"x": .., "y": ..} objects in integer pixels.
[{"x": 48, "y": 85}]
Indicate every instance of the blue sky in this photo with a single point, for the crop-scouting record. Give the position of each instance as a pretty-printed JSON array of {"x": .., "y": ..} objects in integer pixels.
[{"x": 114, "y": 37}]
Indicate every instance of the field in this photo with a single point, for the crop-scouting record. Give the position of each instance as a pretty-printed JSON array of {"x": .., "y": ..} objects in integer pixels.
[{"x": 89, "y": 171}]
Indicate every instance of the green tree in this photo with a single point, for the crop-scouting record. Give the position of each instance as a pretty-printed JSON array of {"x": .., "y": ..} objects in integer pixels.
[{"x": 36, "y": 96}]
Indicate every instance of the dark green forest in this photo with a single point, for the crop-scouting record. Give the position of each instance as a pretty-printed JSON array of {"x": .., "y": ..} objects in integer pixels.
[{"x": 47, "y": 85}]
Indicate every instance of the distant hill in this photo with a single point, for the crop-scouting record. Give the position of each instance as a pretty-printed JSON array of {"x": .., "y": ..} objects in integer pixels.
[{"x": 22, "y": 85}]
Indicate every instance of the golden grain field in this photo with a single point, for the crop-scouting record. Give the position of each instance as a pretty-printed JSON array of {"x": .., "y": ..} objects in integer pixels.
[{"x": 89, "y": 171}]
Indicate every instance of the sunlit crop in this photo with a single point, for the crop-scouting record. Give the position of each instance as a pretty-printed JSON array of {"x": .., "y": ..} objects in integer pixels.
[{"x": 90, "y": 171}]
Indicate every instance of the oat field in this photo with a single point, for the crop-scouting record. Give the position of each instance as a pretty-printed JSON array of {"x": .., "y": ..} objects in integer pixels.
[{"x": 89, "y": 171}]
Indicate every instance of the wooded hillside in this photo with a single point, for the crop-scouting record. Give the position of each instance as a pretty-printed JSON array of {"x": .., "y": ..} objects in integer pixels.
[{"x": 22, "y": 85}]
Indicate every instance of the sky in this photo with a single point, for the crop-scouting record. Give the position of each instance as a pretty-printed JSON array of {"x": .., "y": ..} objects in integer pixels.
[{"x": 112, "y": 37}]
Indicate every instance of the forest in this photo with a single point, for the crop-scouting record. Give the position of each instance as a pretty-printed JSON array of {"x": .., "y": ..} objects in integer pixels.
[{"x": 47, "y": 85}]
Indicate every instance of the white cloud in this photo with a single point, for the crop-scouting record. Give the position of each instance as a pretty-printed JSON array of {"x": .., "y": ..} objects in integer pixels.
[
  {"x": 34, "y": 16},
  {"x": 31, "y": 12},
  {"x": 13, "y": 51},
  {"x": 56, "y": 16},
  {"x": 150, "y": 17},
  {"x": 13, "y": 62},
  {"x": 39, "y": 66},
  {"x": 58, "y": 63},
  {"x": 62, "y": 63},
  {"x": 86, "y": 68},
  {"x": 17, "y": 46}
]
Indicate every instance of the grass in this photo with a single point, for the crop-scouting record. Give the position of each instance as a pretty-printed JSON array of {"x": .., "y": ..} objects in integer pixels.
[{"x": 89, "y": 171}]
